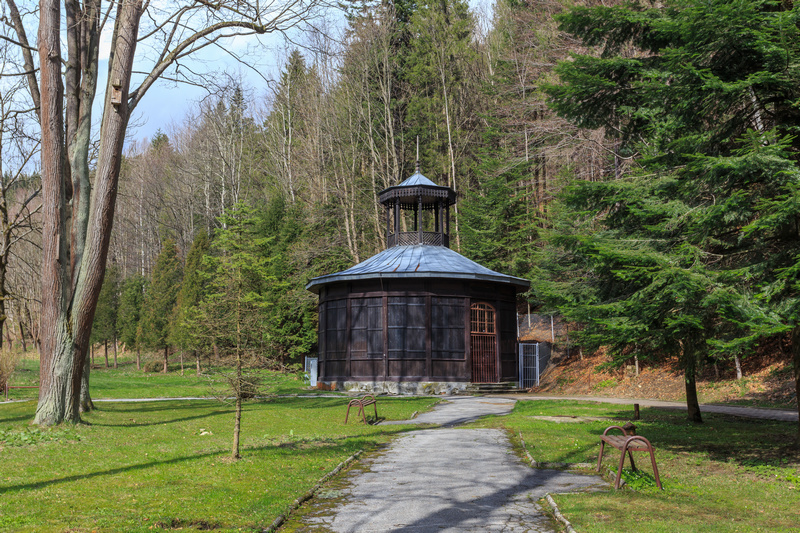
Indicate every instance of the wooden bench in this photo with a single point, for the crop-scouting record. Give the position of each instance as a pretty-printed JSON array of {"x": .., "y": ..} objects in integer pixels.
[
  {"x": 627, "y": 442},
  {"x": 363, "y": 402}
]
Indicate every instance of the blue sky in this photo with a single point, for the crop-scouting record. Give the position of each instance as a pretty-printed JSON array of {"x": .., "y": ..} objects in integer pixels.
[{"x": 167, "y": 103}]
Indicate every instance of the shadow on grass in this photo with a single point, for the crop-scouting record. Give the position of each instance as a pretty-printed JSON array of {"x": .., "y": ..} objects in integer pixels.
[
  {"x": 341, "y": 445},
  {"x": 20, "y": 418}
]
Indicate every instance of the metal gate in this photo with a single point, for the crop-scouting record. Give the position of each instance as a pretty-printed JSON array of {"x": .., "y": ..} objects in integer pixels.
[
  {"x": 483, "y": 344},
  {"x": 533, "y": 358}
]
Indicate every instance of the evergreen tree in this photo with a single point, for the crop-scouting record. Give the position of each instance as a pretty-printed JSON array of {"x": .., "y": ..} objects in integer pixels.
[
  {"x": 184, "y": 324},
  {"x": 234, "y": 307},
  {"x": 159, "y": 301},
  {"x": 130, "y": 309},
  {"x": 104, "y": 328},
  {"x": 702, "y": 93}
]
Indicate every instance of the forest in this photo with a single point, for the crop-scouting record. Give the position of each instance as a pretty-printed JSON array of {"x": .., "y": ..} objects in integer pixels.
[{"x": 637, "y": 161}]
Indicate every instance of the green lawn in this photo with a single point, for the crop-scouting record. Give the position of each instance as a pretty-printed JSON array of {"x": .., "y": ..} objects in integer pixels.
[
  {"x": 164, "y": 465},
  {"x": 727, "y": 474},
  {"x": 128, "y": 382}
]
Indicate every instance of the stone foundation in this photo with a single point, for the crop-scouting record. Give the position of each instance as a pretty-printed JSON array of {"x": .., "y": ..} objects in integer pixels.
[{"x": 418, "y": 388}]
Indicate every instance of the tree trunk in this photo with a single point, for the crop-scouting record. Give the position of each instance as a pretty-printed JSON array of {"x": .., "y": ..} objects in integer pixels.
[
  {"x": 86, "y": 398},
  {"x": 57, "y": 355},
  {"x": 197, "y": 360},
  {"x": 181, "y": 352},
  {"x": 738, "y": 363},
  {"x": 105, "y": 351},
  {"x": 115, "y": 352},
  {"x": 166, "y": 359},
  {"x": 796, "y": 366},
  {"x": 237, "y": 426},
  {"x": 690, "y": 377},
  {"x": 138, "y": 358},
  {"x": 22, "y": 336},
  {"x": 73, "y": 269}
]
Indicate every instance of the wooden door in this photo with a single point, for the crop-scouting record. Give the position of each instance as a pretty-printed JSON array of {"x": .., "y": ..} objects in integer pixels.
[{"x": 483, "y": 343}]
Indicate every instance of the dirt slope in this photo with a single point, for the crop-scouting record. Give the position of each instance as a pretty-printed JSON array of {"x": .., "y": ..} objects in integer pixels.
[{"x": 767, "y": 381}]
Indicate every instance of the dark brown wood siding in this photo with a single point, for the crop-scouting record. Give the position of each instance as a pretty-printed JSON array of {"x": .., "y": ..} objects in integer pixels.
[{"x": 409, "y": 330}]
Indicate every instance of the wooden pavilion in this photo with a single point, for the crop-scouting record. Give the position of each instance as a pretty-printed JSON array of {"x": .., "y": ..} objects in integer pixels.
[{"x": 417, "y": 317}]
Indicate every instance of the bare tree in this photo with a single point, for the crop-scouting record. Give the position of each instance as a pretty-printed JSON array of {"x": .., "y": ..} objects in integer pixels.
[
  {"x": 78, "y": 214},
  {"x": 19, "y": 184}
]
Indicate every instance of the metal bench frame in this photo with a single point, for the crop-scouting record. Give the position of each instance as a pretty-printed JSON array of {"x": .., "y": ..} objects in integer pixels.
[
  {"x": 627, "y": 443},
  {"x": 362, "y": 402}
]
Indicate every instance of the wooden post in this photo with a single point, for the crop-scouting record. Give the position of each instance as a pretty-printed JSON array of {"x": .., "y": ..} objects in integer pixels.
[{"x": 636, "y": 411}]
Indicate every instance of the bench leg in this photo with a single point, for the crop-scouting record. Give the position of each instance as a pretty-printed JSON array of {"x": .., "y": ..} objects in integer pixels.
[
  {"x": 375, "y": 405},
  {"x": 655, "y": 468},
  {"x": 363, "y": 413},
  {"x": 600, "y": 457},
  {"x": 348, "y": 414},
  {"x": 619, "y": 470},
  {"x": 633, "y": 465}
]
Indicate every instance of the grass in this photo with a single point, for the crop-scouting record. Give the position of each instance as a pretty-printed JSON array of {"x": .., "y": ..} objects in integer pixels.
[
  {"x": 128, "y": 382},
  {"x": 727, "y": 474},
  {"x": 164, "y": 465}
]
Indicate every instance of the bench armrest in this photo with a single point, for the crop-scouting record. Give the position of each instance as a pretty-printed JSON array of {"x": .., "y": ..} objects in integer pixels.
[{"x": 615, "y": 427}]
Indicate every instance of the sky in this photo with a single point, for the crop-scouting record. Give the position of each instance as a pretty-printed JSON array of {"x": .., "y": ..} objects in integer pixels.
[{"x": 167, "y": 104}]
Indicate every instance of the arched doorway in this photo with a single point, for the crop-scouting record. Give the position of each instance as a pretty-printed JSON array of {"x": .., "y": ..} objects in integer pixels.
[{"x": 483, "y": 343}]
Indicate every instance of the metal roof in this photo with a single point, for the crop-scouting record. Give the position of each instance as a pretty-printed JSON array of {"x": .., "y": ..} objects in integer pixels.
[
  {"x": 417, "y": 261},
  {"x": 418, "y": 187},
  {"x": 417, "y": 179}
]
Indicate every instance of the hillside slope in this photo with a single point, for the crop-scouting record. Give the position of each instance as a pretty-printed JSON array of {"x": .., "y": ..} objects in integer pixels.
[{"x": 767, "y": 381}]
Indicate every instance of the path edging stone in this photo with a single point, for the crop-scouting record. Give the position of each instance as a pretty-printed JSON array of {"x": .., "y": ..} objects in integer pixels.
[
  {"x": 278, "y": 522},
  {"x": 560, "y": 517}
]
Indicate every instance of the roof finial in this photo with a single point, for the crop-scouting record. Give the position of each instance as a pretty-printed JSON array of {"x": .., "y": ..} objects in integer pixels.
[{"x": 418, "y": 172}]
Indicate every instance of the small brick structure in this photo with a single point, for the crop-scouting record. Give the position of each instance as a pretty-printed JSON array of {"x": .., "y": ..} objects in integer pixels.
[{"x": 628, "y": 442}]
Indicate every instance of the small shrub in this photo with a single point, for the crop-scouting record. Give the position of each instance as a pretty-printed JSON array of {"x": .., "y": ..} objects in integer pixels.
[
  {"x": 8, "y": 363},
  {"x": 611, "y": 382},
  {"x": 151, "y": 367}
]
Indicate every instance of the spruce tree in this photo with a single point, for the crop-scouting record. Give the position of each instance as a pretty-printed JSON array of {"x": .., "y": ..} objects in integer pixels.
[
  {"x": 159, "y": 301},
  {"x": 183, "y": 331},
  {"x": 104, "y": 328},
  {"x": 672, "y": 256},
  {"x": 130, "y": 309}
]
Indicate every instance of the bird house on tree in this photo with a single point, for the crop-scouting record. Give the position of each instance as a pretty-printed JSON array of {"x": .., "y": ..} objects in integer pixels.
[{"x": 418, "y": 317}]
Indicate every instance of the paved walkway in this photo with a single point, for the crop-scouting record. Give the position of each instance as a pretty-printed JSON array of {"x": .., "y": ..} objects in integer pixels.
[
  {"x": 447, "y": 480},
  {"x": 784, "y": 415}
]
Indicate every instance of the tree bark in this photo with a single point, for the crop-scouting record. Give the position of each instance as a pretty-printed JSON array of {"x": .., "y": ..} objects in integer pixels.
[
  {"x": 72, "y": 278},
  {"x": 237, "y": 424},
  {"x": 105, "y": 351},
  {"x": 86, "y": 398},
  {"x": 166, "y": 359},
  {"x": 737, "y": 360},
  {"x": 796, "y": 367},
  {"x": 690, "y": 378}
]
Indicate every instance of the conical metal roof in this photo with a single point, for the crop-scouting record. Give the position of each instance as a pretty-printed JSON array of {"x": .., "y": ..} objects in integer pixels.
[
  {"x": 416, "y": 187},
  {"x": 417, "y": 261}
]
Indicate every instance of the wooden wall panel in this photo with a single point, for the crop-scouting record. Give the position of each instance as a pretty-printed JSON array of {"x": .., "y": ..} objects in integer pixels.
[{"x": 406, "y": 368}]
